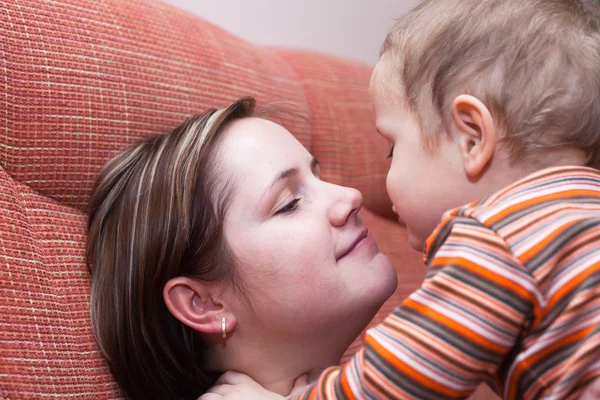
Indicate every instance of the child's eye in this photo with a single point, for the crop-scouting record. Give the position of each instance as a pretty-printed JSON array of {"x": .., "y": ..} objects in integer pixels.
[
  {"x": 391, "y": 152},
  {"x": 291, "y": 206}
]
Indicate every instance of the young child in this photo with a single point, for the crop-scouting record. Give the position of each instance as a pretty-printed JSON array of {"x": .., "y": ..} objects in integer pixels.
[{"x": 494, "y": 104}]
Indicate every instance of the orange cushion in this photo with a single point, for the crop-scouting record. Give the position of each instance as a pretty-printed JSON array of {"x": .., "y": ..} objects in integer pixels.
[{"x": 80, "y": 81}]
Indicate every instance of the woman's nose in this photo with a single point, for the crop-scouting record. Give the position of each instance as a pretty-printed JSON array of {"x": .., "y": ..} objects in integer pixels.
[{"x": 345, "y": 203}]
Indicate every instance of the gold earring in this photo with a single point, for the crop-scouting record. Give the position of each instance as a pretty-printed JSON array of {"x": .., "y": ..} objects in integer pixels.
[{"x": 223, "y": 330}]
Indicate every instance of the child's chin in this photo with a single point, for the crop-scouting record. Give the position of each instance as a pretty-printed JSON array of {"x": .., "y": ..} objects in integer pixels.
[{"x": 415, "y": 241}]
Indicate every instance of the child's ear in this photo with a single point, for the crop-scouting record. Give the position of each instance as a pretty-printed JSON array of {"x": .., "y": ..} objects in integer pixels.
[
  {"x": 475, "y": 133},
  {"x": 197, "y": 304}
]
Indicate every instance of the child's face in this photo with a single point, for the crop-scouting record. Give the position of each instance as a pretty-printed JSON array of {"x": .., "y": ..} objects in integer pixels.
[{"x": 422, "y": 184}]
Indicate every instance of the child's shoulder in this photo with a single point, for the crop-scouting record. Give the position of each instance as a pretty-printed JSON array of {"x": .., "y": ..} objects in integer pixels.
[
  {"x": 538, "y": 205},
  {"x": 553, "y": 209},
  {"x": 551, "y": 188}
]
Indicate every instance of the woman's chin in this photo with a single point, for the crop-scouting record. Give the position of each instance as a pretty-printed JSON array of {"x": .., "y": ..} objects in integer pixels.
[
  {"x": 383, "y": 282},
  {"x": 390, "y": 281}
]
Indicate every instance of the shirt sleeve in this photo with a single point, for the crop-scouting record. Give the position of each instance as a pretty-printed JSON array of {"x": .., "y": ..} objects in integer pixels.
[{"x": 453, "y": 333}]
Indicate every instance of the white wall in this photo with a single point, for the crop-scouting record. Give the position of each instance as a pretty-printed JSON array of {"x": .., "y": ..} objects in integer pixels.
[{"x": 349, "y": 28}]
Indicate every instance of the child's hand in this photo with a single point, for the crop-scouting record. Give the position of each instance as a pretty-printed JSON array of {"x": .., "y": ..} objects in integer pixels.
[
  {"x": 237, "y": 386},
  {"x": 592, "y": 391}
]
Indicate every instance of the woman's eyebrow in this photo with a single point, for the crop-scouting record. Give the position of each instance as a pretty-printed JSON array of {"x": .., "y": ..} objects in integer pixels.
[
  {"x": 282, "y": 175},
  {"x": 287, "y": 174}
]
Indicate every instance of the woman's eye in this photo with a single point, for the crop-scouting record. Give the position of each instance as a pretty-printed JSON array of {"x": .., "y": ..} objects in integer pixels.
[
  {"x": 291, "y": 206},
  {"x": 391, "y": 152}
]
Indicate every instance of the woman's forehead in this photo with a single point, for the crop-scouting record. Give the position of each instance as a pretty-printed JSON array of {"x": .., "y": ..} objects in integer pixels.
[
  {"x": 256, "y": 139},
  {"x": 256, "y": 150}
]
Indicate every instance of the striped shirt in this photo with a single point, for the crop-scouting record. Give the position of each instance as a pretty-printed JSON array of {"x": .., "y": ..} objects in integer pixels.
[{"x": 511, "y": 298}]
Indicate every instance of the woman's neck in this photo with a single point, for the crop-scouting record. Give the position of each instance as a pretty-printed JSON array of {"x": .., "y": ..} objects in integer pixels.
[
  {"x": 275, "y": 366},
  {"x": 284, "y": 385}
]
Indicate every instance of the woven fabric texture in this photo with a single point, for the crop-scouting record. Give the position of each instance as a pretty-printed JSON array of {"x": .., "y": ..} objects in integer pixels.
[{"x": 79, "y": 81}]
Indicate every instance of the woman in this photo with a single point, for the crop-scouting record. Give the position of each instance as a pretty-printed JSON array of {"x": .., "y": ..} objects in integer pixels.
[{"x": 217, "y": 247}]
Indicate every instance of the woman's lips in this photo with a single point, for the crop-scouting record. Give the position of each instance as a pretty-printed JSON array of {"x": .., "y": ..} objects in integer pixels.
[{"x": 365, "y": 243}]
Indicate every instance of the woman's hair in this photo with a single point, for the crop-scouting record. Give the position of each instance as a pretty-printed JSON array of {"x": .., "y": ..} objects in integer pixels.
[{"x": 157, "y": 213}]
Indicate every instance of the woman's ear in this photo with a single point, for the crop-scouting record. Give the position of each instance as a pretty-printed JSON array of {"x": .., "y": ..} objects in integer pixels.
[
  {"x": 475, "y": 133},
  {"x": 197, "y": 304}
]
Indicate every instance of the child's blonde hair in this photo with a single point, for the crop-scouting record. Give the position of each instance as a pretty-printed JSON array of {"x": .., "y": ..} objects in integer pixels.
[{"x": 534, "y": 63}]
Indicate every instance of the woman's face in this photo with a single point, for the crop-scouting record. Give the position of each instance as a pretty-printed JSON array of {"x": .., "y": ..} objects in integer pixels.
[{"x": 308, "y": 266}]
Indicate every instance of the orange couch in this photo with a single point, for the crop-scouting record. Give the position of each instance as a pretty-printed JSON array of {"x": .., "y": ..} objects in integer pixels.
[{"x": 82, "y": 79}]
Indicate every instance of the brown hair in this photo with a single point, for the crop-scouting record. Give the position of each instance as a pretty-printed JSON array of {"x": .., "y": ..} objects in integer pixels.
[
  {"x": 535, "y": 64},
  {"x": 156, "y": 213}
]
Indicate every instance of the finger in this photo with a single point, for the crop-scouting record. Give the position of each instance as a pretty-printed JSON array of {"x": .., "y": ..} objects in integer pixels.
[
  {"x": 210, "y": 396},
  {"x": 300, "y": 383},
  {"x": 233, "y": 378},
  {"x": 591, "y": 392},
  {"x": 221, "y": 390}
]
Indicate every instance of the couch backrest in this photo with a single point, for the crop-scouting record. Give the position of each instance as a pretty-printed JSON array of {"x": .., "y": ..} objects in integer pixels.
[{"x": 82, "y": 79}]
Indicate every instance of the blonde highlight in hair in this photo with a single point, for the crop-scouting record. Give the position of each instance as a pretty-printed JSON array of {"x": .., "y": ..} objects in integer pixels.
[
  {"x": 156, "y": 213},
  {"x": 535, "y": 64}
]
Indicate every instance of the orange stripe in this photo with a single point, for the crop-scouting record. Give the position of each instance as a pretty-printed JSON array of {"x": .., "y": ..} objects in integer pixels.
[
  {"x": 528, "y": 203},
  {"x": 574, "y": 337},
  {"x": 455, "y": 326},
  {"x": 571, "y": 284},
  {"x": 486, "y": 274},
  {"x": 345, "y": 384},
  {"x": 523, "y": 365},
  {"x": 535, "y": 250},
  {"x": 411, "y": 373},
  {"x": 499, "y": 280}
]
